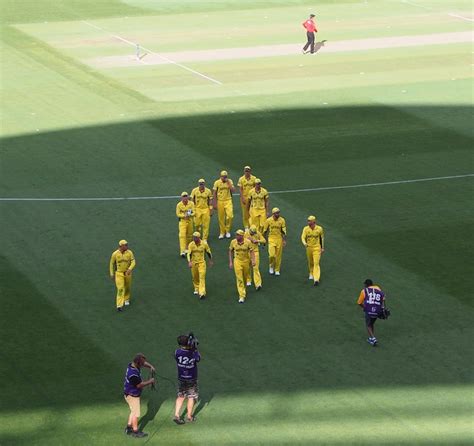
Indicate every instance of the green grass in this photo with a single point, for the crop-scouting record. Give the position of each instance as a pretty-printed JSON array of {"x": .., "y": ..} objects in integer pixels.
[{"x": 292, "y": 365}]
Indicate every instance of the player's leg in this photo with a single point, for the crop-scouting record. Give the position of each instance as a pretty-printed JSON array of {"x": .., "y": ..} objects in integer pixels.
[
  {"x": 308, "y": 42},
  {"x": 246, "y": 273},
  {"x": 206, "y": 223},
  {"x": 221, "y": 217},
  {"x": 309, "y": 257},
  {"x": 182, "y": 235},
  {"x": 245, "y": 215},
  {"x": 202, "y": 279},
  {"x": 316, "y": 269},
  {"x": 189, "y": 232},
  {"x": 198, "y": 220},
  {"x": 229, "y": 212},
  {"x": 278, "y": 255},
  {"x": 239, "y": 278},
  {"x": 257, "y": 278},
  {"x": 120, "y": 284},
  {"x": 127, "y": 289},
  {"x": 271, "y": 256},
  {"x": 261, "y": 220},
  {"x": 195, "y": 276},
  {"x": 311, "y": 40}
]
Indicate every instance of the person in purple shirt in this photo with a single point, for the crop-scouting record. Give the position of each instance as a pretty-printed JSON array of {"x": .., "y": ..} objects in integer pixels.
[
  {"x": 132, "y": 389},
  {"x": 372, "y": 301},
  {"x": 187, "y": 356}
]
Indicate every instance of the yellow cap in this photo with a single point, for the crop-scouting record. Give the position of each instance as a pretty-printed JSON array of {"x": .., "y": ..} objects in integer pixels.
[
  {"x": 184, "y": 194},
  {"x": 196, "y": 234},
  {"x": 224, "y": 173},
  {"x": 311, "y": 218},
  {"x": 247, "y": 168},
  {"x": 123, "y": 242},
  {"x": 275, "y": 210},
  {"x": 253, "y": 229},
  {"x": 201, "y": 180},
  {"x": 258, "y": 181},
  {"x": 240, "y": 232}
]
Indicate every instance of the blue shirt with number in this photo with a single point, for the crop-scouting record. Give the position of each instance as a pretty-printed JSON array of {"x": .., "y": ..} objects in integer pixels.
[{"x": 187, "y": 360}]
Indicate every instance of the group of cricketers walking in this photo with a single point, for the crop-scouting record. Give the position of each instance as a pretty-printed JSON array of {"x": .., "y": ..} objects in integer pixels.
[{"x": 261, "y": 227}]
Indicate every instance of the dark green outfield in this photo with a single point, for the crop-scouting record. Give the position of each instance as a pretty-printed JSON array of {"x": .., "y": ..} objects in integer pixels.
[{"x": 413, "y": 239}]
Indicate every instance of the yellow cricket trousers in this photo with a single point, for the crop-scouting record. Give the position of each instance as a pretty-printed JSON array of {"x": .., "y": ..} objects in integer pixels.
[
  {"x": 313, "y": 254},
  {"x": 257, "y": 218},
  {"x": 225, "y": 214},
  {"x": 245, "y": 214},
  {"x": 185, "y": 234},
  {"x": 275, "y": 252},
  {"x": 257, "y": 278},
  {"x": 202, "y": 221},
  {"x": 123, "y": 284},
  {"x": 242, "y": 274},
  {"x": 198, "y": 271}
]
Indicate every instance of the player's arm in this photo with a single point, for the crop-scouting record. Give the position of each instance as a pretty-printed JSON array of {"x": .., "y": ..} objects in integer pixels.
[
  {"x": 261, "y": 238},
  {"x": 209, "y": 254},
  {"x": 179, "y": 211},
  {"x": 230, "y": 256},
  {"x": 214, "y": 196},
  {"x": 303, "y": 237},
  {"x": 189, "y": 256},
  {"x": 209, "y": 203},
  {"x": 267, "y": 202},
  {"x": 231, "y": 186},
  {"x": 360, "y": 300},
  {"x": 112, "y": 265},
  {"x": 132, "y": 262},
  {"x": 283, "y": 232},
  {"x": 193, "y": 209},
  {"x": 252, "y": 256},
  {"x": 321, "y": 239}
]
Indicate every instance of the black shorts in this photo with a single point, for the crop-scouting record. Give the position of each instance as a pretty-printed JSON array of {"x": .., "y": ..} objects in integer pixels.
[
  {"x": 188, "y": 389},
  {"x": 369, "y": 319}
]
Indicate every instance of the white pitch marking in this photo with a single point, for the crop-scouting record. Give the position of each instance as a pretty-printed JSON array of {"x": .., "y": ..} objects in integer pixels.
[
  {"x": 184, "y": 67},
  {"x": 289, "y": 191},
  {"x": 461, "y": 17}
]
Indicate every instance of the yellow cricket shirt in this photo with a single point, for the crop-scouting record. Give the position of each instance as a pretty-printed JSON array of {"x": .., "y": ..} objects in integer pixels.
[
  {"x": 223, "y": 189},
  {"x": 313, "y": 237},
  {"x": 196, "y": 252},
  {"x": 276, "y": 228},
  {"x": 201, "y": 198},
  {"x": 258, "y": 198},
  {"x": 257, "y": 236},
  {"x": 247, "y": 184},
  {"x": 122, "y": 262},
  {"x": 185, "y": 210},
  {"x": 241, "y": 250}
]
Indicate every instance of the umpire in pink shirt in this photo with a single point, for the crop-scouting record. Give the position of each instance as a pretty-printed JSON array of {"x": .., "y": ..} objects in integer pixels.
[{"x": 310, "y": 27}]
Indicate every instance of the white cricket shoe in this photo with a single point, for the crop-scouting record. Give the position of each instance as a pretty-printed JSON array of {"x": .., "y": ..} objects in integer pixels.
[
  {"x": 127, "y": 303},
  {"x": 227, "y": 234},
  {"x": 221, "y": 236},
  {"x": 249, "y": 283},
  {"x": 241, "y": 300},
  {"x": 196, "y": 292},
  {"x": 271, "y": 270},
  {"x": 311, "y": 277},
  {"x": 277, "y": 273}
]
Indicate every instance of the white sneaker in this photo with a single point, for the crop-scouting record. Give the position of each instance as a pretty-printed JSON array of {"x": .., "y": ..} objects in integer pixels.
[
  {"x": 311, "y": 277},
  {"x": 249, "y": 283},
  {"x": 221, "y": 236},
  {"x": 127, "y": 303},
  {"x": 241, "y": 300},
  {"x": 183, "y": 254},
  {"x": 196, "y": 292},
  {"x": 227, "y": 234},
  {"x": 271, "y": 270},
  {"x": 277, "y": 273}
]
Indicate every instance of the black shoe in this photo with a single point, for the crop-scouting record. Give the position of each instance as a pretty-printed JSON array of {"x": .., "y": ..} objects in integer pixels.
[
  {"x": 259, "y": 288},
  {"x": 202, "y": 297},
  {"x": 316, "y": 283},
  {"x": 139, "y": 434},
  {"x": 128, "y": 430},
  {"x": 178, "y": 420},
  {"x": 119, "y": 309}
]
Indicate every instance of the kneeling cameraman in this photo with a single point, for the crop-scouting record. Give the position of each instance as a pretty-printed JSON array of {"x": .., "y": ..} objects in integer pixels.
[{"x": 187, "y": 356}]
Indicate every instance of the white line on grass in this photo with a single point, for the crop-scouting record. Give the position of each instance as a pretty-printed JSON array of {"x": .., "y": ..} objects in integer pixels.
[
  {"x": 416, "y": 4},
  {"x": 129, "y": 42},
  {"x": 289, "y": 191},
  {"x": 461, "y": 17}
]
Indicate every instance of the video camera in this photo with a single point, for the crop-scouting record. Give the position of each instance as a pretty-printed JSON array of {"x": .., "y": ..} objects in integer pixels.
[{"x": 193, "y": 341}]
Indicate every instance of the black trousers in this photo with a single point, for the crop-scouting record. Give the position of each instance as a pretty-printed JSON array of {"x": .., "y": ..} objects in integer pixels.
[{"x": 310, "y": 41}]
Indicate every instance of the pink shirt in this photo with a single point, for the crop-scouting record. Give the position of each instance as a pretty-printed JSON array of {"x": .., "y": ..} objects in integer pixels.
[{"x": 310, "y": 26}]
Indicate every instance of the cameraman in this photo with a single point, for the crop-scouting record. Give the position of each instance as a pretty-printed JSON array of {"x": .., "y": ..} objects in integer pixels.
[
  {"x": 187, "y": 356},
  {"x": 372, "y": 301}
]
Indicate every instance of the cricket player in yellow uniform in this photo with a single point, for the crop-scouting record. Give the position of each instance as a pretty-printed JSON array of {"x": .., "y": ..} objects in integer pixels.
[
  {"x": 185, "y": 214},
  {"x": 275, "y": 228},
  {"x": 242, "y": 252},
  {"x": 197, "y": 262},
  {"x": 255, "y": 238},
  {"x": 121, "y": 265},
  {"x": 222, "y": 190},
  {"x": 246, "y": 184},
  {"x": 312, "y": 238},
  {"x": 258, "y": 205},
  {"x": 202, "y": 198}
]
